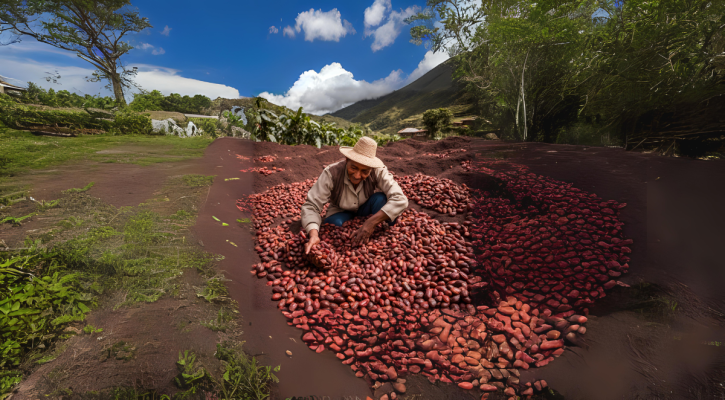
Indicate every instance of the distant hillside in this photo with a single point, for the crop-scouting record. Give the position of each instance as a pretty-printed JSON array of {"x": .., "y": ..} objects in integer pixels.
[{"x": 404, "y": 107}]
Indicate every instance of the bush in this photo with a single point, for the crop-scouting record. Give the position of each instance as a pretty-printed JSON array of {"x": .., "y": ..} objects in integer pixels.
[
  {"x": 436, "y": 120},
  {"x": 130, "y": 123},
  {"x": 156, "y": 101},
  {"x": 295, "y": 128},
  {"x": 19, "y": 116},
  {"x": 63, "y": 98},
  {"x": 383, "y": 139},
  {"x": 35, "y": 310},
  {"x": 207, "y": 125}
]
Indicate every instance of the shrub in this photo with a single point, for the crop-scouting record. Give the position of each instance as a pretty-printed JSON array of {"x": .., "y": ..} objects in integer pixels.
[
  {"x": 296, "y": 128},
  {"x": 63, "y": 98},
  {"x": 156, "y": 101},
  {"x": 20, "y": 116},
  {"x": 436, "y": 120},
  {"x": 130, "y": 123},
  {"x": 207, "y": 125},
  {"x": 383, "y": 139},
  {"x": 34, "y": 310}
]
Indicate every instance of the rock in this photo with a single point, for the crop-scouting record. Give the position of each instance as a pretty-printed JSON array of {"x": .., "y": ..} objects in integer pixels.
[
  {"x": 399, "y": 387},
  {"x": 240, "y": 133},
  {"x": 491, "y": 136},
  {"x": 192, "y": 130},
  {"x": 167, "y": 126}
]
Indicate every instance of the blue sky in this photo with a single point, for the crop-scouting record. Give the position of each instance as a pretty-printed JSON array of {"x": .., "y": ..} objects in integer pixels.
[{"x": 348, "y": 51}]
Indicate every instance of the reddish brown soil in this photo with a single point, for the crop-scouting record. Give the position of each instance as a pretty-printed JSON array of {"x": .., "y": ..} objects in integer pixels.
[
  {"x": 677, "y": 223},
  {"x": 116, "y": 184},
  {"x": 153, "y": 335},
  {"x": 626, "y": 353},
  {"x": 674, "y": 215}
]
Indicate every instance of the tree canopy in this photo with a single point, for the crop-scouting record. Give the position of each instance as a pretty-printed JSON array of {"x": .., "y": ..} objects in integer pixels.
[
  {"x": 539, "y": 67},
  {"x": 93, "y": 29}
]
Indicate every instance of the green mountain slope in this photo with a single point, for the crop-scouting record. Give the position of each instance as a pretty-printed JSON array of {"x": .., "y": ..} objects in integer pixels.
[{"x": 405, "y": 107}]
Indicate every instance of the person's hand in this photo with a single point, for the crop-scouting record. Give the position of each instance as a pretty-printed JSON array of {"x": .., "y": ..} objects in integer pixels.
[
  {"x": 312, "y": 241},
  {"x": 364, "y": 232}
]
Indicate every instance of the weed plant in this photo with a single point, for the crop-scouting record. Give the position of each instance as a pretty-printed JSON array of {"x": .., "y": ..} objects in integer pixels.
[
  {"x": 241, "y": 377},
  {"x": 96, "y": 248}
]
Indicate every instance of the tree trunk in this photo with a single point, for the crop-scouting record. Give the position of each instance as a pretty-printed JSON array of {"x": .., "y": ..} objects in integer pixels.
[{"x": 117, "y": 89}]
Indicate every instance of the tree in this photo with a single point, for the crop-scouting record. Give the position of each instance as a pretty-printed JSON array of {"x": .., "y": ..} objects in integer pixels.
[
  {"x": 93, "y": 29},
  {"x": 538, "y": 67},
  {"x": 516, "y": 56},
  {"x": 435, "y": 120}
]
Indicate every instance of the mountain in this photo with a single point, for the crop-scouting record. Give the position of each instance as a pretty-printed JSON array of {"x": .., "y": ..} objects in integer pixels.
[{"x": 405, "y": 107}]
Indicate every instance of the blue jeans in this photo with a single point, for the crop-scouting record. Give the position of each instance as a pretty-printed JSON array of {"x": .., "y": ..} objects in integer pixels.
[{"x": 373, "y": 204}]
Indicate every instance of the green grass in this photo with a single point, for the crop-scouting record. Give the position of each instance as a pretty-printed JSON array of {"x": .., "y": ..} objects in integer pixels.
[
  {"x": 194, "y": 180},
  {"x": 22, "y": 151},
  {"x": 83, "y": 189},
  {"x": 242, "y": 376}
]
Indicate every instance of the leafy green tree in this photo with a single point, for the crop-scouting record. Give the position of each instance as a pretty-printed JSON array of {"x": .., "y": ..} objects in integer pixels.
[
  {"x": 93, "y": 29},
  {"x": 537, "y": 67},
  {"x": 156, "y": 101},
  {"x": 436, "y": 120}
]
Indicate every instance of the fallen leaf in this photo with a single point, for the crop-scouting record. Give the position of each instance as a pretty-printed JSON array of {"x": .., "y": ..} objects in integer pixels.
[
  {"x": 225, "y": 224},
  {"x": 215, "y": 218}
]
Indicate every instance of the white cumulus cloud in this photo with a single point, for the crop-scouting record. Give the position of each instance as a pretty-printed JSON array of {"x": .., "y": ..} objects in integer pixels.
[
  {"x": 334, "y": 87},
  {"x": 386, "y": 33},
  {"x": 430, "y": 61},
  {"x": 326, "y": 26},
  {"x": 375, "y": 14},
  {"x": 166, "y": 31},
  {"x": 273, "y": 29},
  {"x": 168, "y": 80},
  {"x": 158, "y": 51},
  {"x": 331, "y": 89},
  {"x": 20, "y": 70}
]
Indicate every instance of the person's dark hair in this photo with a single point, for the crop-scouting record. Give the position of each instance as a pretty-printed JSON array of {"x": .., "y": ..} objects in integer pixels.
[{"x": 339, "y": 171}]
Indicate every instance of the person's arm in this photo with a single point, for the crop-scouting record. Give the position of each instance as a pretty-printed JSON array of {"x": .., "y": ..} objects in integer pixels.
[
  {"x": 317, "y": 197},
  {"x": 397, "y": 201},
  {"x": 396, "y": 204},
  {"x": 366, "y": 230}
]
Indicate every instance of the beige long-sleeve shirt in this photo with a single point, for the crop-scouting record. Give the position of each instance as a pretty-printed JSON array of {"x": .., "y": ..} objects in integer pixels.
[{"x": 352, "y": 198}]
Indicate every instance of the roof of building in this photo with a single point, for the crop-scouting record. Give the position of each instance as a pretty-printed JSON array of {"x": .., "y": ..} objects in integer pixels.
[
  {"x": 412, "y": 130},
  {"x": 10, "y": 86}
]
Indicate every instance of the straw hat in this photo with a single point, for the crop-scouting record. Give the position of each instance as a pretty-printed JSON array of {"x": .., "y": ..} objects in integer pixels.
[{"x": 363, "y": 153}]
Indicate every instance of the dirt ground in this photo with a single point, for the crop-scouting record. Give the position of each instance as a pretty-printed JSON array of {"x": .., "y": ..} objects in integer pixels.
[{"x": 660, "y": 338}]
